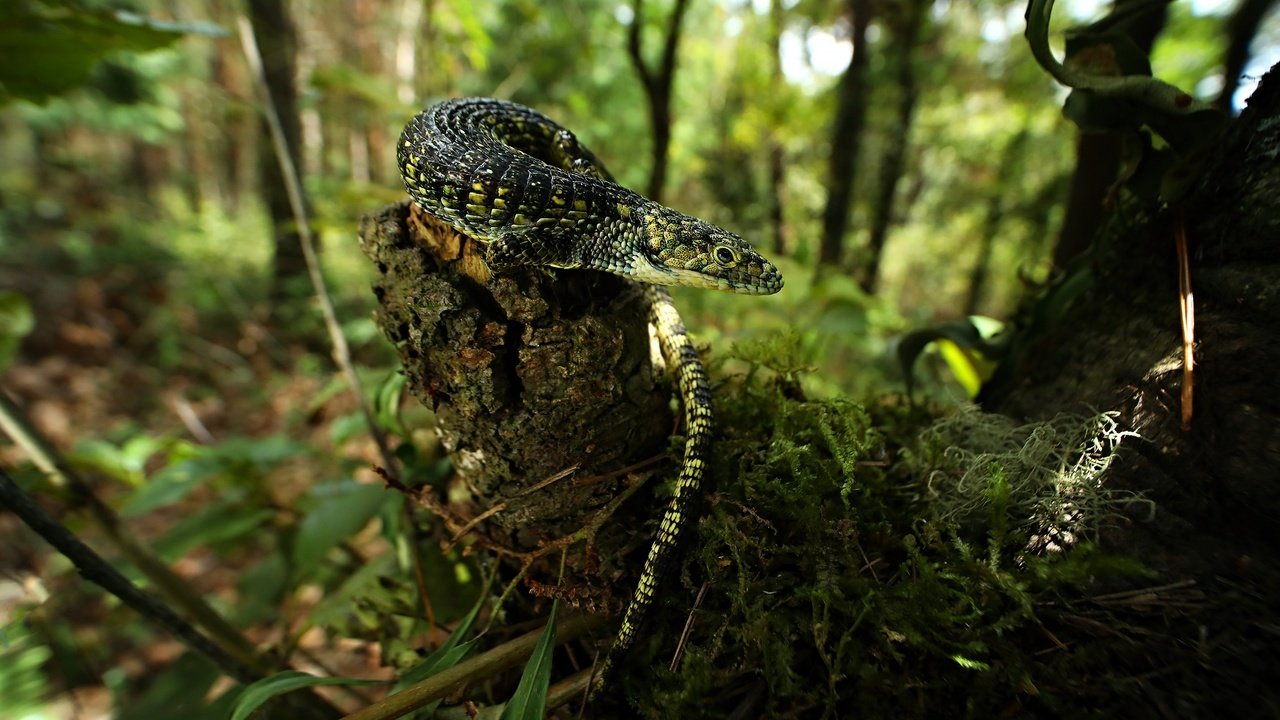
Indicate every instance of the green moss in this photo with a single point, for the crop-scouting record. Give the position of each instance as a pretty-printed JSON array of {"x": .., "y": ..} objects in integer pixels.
[{"x": 893, "y": 566}]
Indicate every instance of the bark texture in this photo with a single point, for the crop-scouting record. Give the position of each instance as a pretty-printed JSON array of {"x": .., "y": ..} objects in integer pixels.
[
  {"x": 1215, "y": 485},
  {"x": 529, "y": 374}
]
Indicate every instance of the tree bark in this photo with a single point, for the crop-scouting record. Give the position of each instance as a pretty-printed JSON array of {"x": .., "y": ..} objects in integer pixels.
[
  {"x": 846, "y": 139},
  {"x": 657, "y": 87},
  {"x": 1214, "y": 485},
  {"x": 529, "y": 374},
  {"x": 274, "y": 31}
]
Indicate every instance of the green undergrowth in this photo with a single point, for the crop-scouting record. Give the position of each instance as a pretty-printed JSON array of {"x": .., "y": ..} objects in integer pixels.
[{"x": 881, "y": 561}]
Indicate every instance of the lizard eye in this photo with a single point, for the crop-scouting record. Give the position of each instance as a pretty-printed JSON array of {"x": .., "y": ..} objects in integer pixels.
[{"x": 726, "y": 256}]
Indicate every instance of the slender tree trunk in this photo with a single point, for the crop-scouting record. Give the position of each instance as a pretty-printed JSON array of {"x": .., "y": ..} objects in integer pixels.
[
  {"x": 657, "y": 86},
  {"x": 380, "y": 156},
  {"x": 777, "y": 155},
  {"x": 994, "y": 217},
  {"x": 846, "y": 140},
  {"x": 1098, "y": 158},
  {"x": 1241, "y": 29},
  {"x": 411, "y": 27},
  {"x": 277, "y": 39},
  {"x": 908, "y": 30}
]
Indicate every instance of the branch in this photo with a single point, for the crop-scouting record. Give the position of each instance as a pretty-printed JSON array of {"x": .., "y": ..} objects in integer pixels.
[
  {"x": 633, "y": 45},
  {"x": 98, "y": 571},
  {"x": 174, "y": 589},
  {"x": 674, "y": 26}
]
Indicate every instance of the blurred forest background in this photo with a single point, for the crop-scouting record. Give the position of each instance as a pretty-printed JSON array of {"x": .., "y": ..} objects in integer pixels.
[{"x": 905, "y": 162}]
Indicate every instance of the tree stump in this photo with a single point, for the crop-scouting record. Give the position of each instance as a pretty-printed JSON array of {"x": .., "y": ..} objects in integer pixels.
[{"x": 530, "y": 374}]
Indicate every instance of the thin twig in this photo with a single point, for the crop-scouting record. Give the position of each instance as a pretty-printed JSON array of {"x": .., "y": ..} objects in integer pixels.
[
  {"x": 173, "y": 588},
  {"x": 688, "y": 628},
  {"x": 293, "y": 188},
  {"x": 98, "y": 571},
  {"x": 1187, "y": 309},
  {"x": 500, "y": 506},
  {"x": 484, "y": 665}
]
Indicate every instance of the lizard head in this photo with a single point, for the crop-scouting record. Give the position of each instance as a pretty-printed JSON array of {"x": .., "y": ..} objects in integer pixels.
[{"x": 681, "y": 250}]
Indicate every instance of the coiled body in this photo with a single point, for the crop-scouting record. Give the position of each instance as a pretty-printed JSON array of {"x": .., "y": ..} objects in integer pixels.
[
  {"x": 512, "y": 179},
  {"x": 507, "y": 175}
]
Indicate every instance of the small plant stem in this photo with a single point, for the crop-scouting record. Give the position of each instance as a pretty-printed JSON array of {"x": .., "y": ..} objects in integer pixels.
[
  {"x": 98, "y": 571},
  {"x": 173, "y": 588},
  {"x": 482, "y": 666},
  {"x": 293, "y": 188},
  {"x": 1187, "y": 308}
]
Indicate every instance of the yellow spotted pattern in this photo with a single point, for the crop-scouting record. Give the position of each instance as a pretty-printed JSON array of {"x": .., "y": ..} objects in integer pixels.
[{"x": 554, "y": 204}]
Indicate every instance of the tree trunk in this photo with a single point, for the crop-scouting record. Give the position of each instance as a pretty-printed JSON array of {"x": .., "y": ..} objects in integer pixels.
[
  {"x": 846, "y": 139},
  {"x": 1241, "y": 29},
  {"x": 1098, "y": 157},
  {"x": 1214, "y": 485},
  {"x": 773, "y": 144},
  {"x": 657, "y": 87},
  {"x": 908, "y": 21},
  {"x": 274, "y": 32},
  {"x": 531, "y": 376}
]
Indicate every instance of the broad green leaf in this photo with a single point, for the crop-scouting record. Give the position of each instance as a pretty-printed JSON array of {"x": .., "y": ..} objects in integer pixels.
[
  {"x": 51, "y": 46},
  {"x": 243, "y": 459},
  {"x": 16, "y": 322},
  {"x": 530, "y": 699},
  {"x": 261, "y": 587},
  {"x": 346, "y": 427},
  {"x": 363, "y": 583},
  {"x": 260, "y": 692},
  {"x": 343, "y": 509},
  {"x": 964, "y": 365},
  {"x": 963, "y": 334}
]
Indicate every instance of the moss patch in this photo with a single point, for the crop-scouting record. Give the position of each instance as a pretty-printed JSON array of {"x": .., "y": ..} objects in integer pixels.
[{"x": 879, "y": 561}]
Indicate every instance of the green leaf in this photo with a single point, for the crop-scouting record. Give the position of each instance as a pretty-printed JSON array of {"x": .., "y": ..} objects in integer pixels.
[
  {"x": 386, "y": 404},
  {"x": 964, "y": 366},
  {"x": 963, "y": 336},
  {"x": 260, "y": 692},
  {"x": 52, "y": 46},
  {"x": 446, "y": 656},
  {"x": 970, "y": 663},
  {"x": 176, "y": 691},
  {"x": 343, "y": 509},
  {"x": 16, "y": 322},
  {"x": 245, "y": 459},
  {"x": 530, "y": 699}
]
